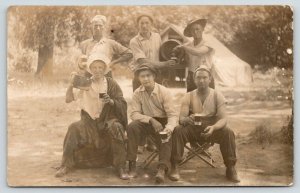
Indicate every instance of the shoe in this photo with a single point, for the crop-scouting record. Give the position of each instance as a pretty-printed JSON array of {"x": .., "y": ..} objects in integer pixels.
[
  {"x": 160, "y": 176},
  {"x": 123, "y": 174},
  {"x": 62, "y": 171},
  {"x": 174, "y": 174},
  {"x": 132, "y": 169},
  {"x": 231, "y": 174}
]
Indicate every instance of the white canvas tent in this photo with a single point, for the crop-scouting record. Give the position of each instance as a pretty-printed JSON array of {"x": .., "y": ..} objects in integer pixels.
[{"x": 229, "y": 70}]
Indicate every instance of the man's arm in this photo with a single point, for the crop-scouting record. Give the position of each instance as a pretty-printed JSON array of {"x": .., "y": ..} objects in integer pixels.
[
  {"x": 222, "y": 118},
  {"x": 70, "y": 94},
  {"x": 170, "y": 110},
  {"x": 140, "y": 57},
  {"x": 184, "y": 118},
  {"x": 200, "y": 51},
  {"x": 124, "y": 53},
  {"x": 137, "y": 113}
]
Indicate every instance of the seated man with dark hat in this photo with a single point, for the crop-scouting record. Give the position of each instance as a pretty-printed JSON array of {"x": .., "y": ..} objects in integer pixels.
[
  {"x": 153, "y": 112},
  {"x": 101, "y": 129},
  {"x": 203, "y": 118},
  {"x": 198, "y": 52}
]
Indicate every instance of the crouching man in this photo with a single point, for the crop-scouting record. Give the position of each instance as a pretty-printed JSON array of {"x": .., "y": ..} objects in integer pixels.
[
  {"x": 208, "y": 105},
  {"x": 152, "y": 112},
  {"x": 102, "y": 124}
]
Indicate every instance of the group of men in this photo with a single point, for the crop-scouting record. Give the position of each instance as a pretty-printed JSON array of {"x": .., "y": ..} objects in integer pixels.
[{"x": 104, "y": 118}]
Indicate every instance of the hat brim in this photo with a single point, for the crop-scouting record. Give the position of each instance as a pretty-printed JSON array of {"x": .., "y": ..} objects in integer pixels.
[
  {"x": 137, "y": 72},
  {"x": 187, "y": 30}
]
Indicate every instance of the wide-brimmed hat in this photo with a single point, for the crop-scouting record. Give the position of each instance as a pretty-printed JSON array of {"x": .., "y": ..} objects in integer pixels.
[
  {"x": 187, "y": 30},
  {"x": 143, "y": 67},
  {"x": 144, "y": 15}
]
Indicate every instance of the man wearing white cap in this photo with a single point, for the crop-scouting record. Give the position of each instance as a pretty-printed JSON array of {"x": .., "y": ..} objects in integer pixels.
[
  {"x": 209, "y": 106},
  {"x": 108, "y": 47},
  {"x": 102, "y": 125}
]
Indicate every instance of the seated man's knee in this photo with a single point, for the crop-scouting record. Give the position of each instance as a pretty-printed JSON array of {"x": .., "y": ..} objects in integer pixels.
[
  {"x": 228, "y": 131},
  {"x": 74, "y": 127},
  {"x": 178, "y": 130},
  {"x": 117, "y": 131},
  {"x": 133, "y": 126}
]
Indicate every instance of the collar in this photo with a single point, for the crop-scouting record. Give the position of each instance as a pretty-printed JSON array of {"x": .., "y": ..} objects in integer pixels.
[
  {"x": 155, "y": 90},
  {"x": 101, "y": 41},
  {"x": 141, "y": 38}
]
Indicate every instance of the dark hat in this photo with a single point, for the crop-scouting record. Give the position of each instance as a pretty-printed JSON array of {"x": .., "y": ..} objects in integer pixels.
[
  {"x": 187, "y": 30},
  {"x": 144, "y": 15},
  {"x": 143, "y": 67}
]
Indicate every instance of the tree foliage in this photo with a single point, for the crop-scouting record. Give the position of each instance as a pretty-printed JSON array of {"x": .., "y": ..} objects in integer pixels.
[{"x": 260, "y": 35}]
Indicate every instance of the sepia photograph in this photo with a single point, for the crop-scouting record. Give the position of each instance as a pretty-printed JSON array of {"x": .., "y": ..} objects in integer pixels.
[{"x": 135, "y": 96}]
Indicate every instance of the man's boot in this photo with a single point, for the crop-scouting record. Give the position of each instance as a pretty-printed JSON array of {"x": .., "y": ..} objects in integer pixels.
[
  {"x": 174, "y": 174},
  {"x": 122, "y": 174},
  {"x": 231, "y": 174},
  {"x": 160, "y": 176},
  {"x": 132, "y": 169}
]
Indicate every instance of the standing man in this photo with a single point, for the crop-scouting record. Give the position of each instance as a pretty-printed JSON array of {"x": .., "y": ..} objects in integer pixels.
[
  {"x": 153, "y": 111},
  {"x": 198, "y": 52},
  {"x": 211, "y": 105},
  {"x": 99, "y": 44},
  {"x": 145, "y": 48}
]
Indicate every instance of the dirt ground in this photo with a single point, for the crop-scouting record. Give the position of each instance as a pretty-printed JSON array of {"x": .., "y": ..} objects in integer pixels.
[{"x": 38, "y": 119}]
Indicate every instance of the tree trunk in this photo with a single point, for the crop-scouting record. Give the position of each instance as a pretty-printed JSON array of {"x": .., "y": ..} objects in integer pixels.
[{"x": 45, "y": 62}]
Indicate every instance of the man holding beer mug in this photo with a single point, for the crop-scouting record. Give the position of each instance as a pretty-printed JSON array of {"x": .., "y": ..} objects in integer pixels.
[
  {"x": 101, "y": 128},
  {"x": 153, "y": 114},
  {"x": 203, "y": 118}
]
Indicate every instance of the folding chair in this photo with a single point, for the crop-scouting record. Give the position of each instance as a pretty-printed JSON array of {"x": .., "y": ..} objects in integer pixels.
[
  {"x": 200, "y": 152},
  {"x": 150, "y": 157}
]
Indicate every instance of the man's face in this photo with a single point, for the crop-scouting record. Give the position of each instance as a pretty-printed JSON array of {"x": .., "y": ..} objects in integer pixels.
[
  {"x": 197, "y": 30},
  {"x": 202, "y": 79},
  {"x": 145, "y": 25},
  {"x": 97, "y": 29},
  {"x": 98, "y": 68},
  {"x": 146, "y": 78}
]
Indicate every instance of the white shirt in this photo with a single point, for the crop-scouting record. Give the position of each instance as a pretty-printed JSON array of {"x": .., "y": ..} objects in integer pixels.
[{"x": 89, "y": 100}]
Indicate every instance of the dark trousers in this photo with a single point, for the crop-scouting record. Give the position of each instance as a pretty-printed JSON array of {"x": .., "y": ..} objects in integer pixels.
[
  {"x": 183, "y": 134},
  {"x": 137, "y": 130},
  {"x": 109, "y": 143},
  {"x": 190, "y": 84}
]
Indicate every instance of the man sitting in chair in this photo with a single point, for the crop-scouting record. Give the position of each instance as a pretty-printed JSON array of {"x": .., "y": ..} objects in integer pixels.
[
  {"x": 152, "y": 112},
  {"x": 207, "y": 105},
  {"x": 102, "y": 124}
]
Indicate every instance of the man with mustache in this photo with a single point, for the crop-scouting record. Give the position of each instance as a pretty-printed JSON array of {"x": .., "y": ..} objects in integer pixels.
[{"x": 213, "y": 129}]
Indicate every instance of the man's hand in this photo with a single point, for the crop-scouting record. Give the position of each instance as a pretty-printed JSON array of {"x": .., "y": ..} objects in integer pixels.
[
  {"x": 178, "y": 49},
  {"x": 187, "y": 121},
  {"x": 208, "y": 131},
  {"x": 107, "y": 99},
  {"x": 170, "y": 63},
  {"x": 156, "y": 125},
  {"x": 168, "y": 131}
]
